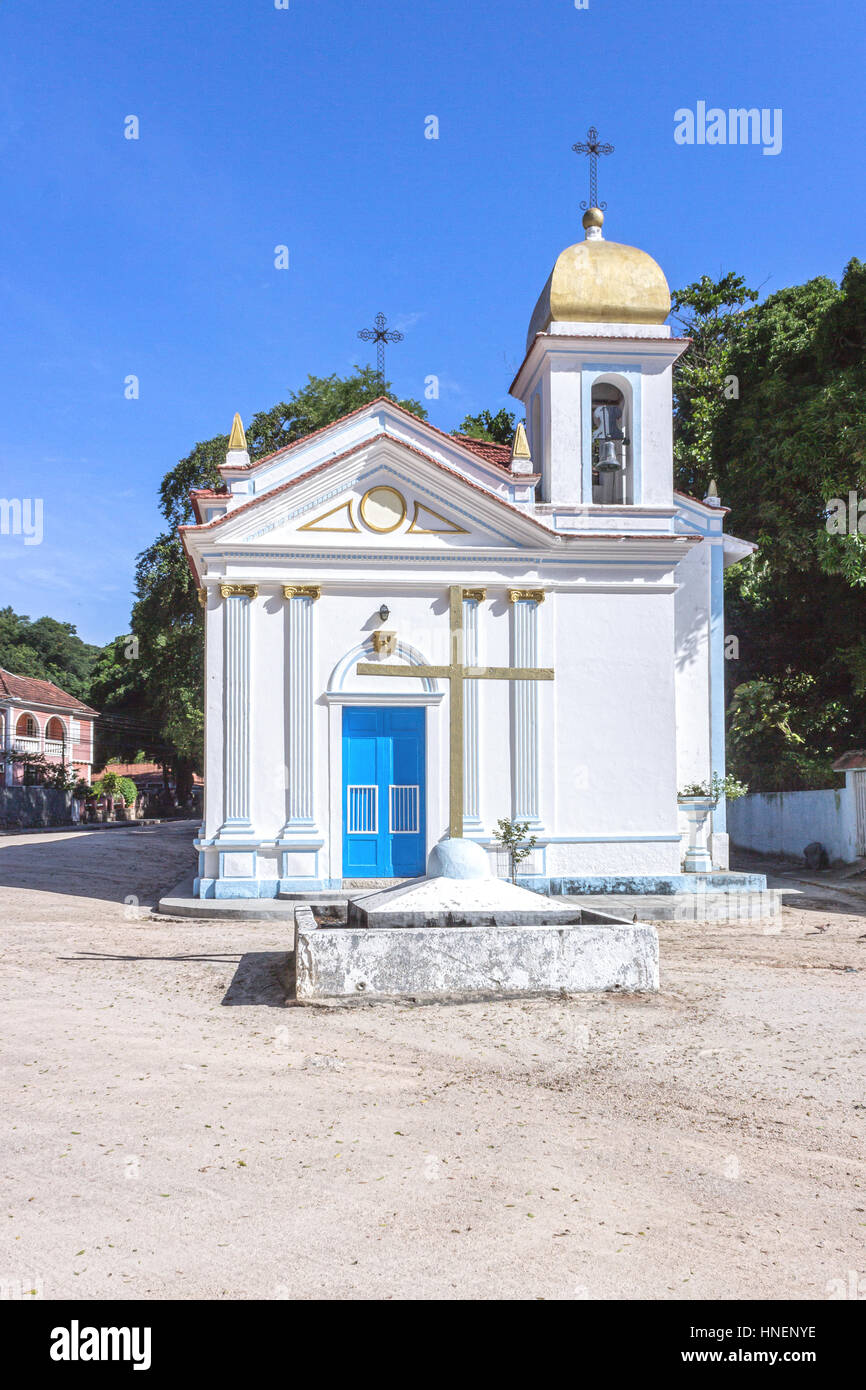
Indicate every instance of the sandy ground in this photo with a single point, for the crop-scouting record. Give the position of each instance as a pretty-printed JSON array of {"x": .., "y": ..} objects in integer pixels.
[{"x": 173, "y": 1129}]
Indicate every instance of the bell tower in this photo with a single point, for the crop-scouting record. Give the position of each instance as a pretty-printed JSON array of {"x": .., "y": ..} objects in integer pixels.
[{"x": 597, "y": 378}]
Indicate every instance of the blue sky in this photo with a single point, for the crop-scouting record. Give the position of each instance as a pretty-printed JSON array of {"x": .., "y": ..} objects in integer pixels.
[{"x": 305, "y": 127}]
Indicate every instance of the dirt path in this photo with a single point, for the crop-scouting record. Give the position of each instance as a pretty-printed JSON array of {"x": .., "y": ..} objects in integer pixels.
[{"x": 173, "y": 1130}]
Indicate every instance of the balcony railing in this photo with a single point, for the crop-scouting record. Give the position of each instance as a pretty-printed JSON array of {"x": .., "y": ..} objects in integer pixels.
[
  {"x": 27, "y": 745},
  {"x": 53, "y": 747}
]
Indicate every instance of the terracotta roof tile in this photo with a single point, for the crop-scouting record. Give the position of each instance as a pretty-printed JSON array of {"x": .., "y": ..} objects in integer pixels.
[
  {"x": 40, "y": 693},
  {"x": 488, "y": 449},
  {"x": 851, "y": 762},
  {"x": 199, "y": 494}
]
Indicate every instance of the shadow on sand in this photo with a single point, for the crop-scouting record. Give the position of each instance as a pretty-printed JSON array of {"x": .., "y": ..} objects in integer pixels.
[
  {"x": 261, "y": 977},
  {"x": 108, "y": 865}
]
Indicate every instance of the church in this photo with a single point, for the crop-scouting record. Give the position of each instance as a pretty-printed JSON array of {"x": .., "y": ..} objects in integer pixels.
[{"x": 411, "y": 635}]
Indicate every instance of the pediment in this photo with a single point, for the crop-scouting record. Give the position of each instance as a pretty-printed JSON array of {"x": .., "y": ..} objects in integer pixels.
[
  {"x": 384, "y": 498},
  {"x": 384, "y": 509},
  {"x": 389, "y": 507}
]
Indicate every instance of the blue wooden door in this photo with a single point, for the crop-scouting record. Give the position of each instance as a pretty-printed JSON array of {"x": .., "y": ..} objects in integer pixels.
[{"x": 383, "y": 792}]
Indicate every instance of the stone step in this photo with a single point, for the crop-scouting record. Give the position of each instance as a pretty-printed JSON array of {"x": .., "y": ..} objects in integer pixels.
[{"x": 721, "y": 908}]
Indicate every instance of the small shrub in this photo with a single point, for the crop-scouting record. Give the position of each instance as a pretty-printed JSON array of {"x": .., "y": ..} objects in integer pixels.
[{"x": 511, "y": 834}]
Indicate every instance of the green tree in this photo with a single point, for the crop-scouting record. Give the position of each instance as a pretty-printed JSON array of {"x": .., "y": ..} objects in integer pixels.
[
  {"x": 47, "y": 650},
  {"x": 128, "y": 729},
  {"x": 791, "y": 441},
  {"x": 498, "y": 428},
  {"x": 781, "y": 736},
  {"x": 710, "y": 312}
]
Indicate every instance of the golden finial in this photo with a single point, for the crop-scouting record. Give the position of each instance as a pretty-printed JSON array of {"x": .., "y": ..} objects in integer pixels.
[
  {"x": 237, "y": 438},
  {"x": 520, "y": 444}
]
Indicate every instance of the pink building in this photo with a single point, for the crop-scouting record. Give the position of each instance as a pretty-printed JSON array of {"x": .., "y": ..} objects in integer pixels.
[{"x": 38, "y": 717}]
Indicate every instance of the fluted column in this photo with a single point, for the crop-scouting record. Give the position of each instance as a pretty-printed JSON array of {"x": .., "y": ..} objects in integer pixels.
[
  {"x": 300, "y": 599},
  {"x": 524, "y": 699},
  {"x": 472, "y": 598},
  {"x": 237, "y": 602}
]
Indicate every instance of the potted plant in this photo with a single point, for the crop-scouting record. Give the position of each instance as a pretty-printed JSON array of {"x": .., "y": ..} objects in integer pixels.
[{"x": 697, "y": 800}]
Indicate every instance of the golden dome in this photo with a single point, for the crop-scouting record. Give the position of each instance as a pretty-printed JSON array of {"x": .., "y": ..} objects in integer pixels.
[{"x": 599, "y": 281}]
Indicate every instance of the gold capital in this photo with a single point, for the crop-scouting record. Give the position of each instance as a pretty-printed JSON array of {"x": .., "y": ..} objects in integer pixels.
[
  {"x": 526, "y": 596},
  {"x": 239, "y": 590},
  {"x": 475, "y": 595},
  {"x": 202, "y": 597},
  {"x": 302, "y": 591}
]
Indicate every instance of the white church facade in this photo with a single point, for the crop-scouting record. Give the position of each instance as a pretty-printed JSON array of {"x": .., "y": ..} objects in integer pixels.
[{"x": 353, "y": 582}]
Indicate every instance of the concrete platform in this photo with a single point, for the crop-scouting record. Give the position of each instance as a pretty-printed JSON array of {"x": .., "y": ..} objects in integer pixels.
[
  {"x": 598, "y": 953},
  {"x": 753, "y": 904}
]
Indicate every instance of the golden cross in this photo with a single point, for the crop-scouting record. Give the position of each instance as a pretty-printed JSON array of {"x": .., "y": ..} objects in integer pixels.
[{"x": 456, "y": 673}]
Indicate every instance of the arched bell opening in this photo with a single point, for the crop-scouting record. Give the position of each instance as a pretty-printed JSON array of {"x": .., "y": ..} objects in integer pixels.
[{"x": 611, "y": 448}]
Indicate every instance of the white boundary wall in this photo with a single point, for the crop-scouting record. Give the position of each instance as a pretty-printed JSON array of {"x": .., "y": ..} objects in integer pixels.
[{"x": 786, "y": 822}]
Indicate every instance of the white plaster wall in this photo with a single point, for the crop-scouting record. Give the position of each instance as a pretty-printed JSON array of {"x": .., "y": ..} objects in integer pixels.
[
  {"x": 786, "y": 822},
  {"x": 692, "y": 663},
  {"x": 657, "y": 436},
  {"x": 615, "y": 731},
  {"x": 564, "y": 466}
]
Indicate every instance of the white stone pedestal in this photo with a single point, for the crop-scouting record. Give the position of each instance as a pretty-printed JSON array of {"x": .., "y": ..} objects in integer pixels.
[{"x": 697, "y": 810}]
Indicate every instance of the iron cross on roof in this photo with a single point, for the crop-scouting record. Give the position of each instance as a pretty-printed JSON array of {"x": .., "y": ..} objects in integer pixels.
[
  {"x": 593, "y": 147},
  {"x": 380, "y": 335}
]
